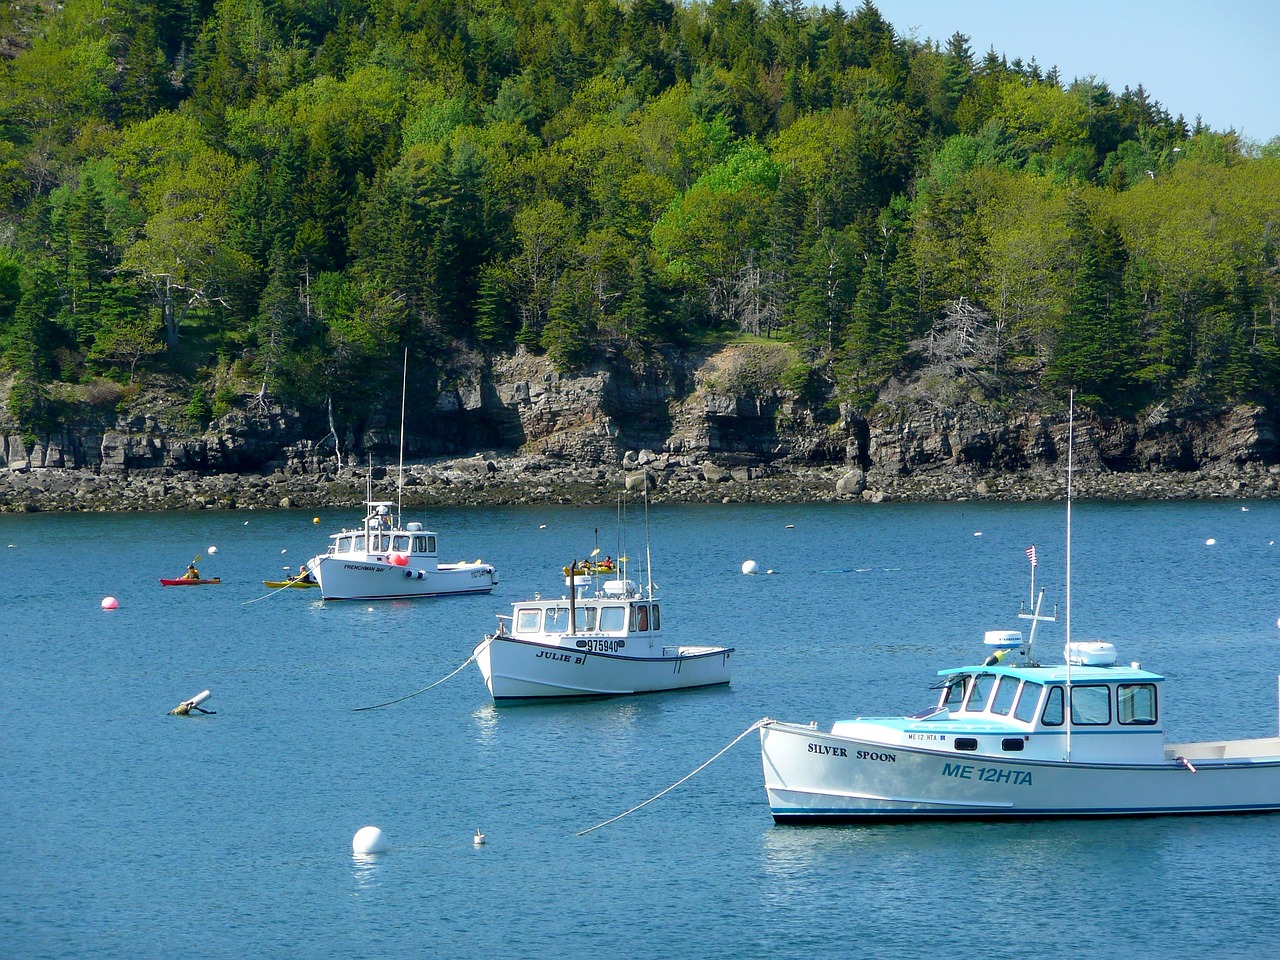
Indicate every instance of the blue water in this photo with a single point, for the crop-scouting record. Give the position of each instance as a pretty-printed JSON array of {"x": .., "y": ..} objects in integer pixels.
[{"x": 129, "y": 833}]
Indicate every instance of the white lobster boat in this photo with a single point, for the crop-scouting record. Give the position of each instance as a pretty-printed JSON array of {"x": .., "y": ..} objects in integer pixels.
[
  {"x": 599, "y": 639},
  {"x": 1084, "y": 738},
  {"x": 386, "y": 560},
  {"x": 1080, "y": 739}
]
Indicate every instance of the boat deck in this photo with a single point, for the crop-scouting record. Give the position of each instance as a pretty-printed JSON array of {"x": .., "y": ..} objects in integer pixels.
[{"x": 1268, "y": 747}]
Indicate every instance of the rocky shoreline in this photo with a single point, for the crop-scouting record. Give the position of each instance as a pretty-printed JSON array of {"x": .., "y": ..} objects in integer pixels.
[{"x": 523, "y": 480}]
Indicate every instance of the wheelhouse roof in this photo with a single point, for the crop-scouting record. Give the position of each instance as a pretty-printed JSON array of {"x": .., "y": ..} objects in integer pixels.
[{"x": 1057, "y": 673}]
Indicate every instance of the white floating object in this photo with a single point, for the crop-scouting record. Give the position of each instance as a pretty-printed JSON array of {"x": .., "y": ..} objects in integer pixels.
[
  {"x": 478, "y": 839},
  {"x": 977, "y": 533},
  {"x": 791, "y": 526},
  {"x": 369, "y": 840},
  {"x": 750, "y": 568},
  {"x": 542, "y": 526},
  {"x": 285, "y": 550},
  {"x": 212, "y": 550},
  {"x": 110, "y": 603},
  {"x": 1244, "y": 509},
  {"x": 186, "y": 706},
  {"x": 1210, "y": 542},
  {"x": 770, "y": 572},
  {"x": 371, "y": 609}
]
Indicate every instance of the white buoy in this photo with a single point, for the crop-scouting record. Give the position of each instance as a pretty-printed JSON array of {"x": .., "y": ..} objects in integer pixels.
[
  {"x": 791, "y": 526},
  {"x": 285, "y": 550},
  {"x": 542, "y": 526},
  {"x": 212, "y": 550},
  {"x": 750, "y": 568},
  {"x": 369, "y": 840},
  {"x": 186, "y": 706},
  {"x": 478, "y": 839},
  {"x": 1210, "y": 542},
  {"x": 978, "y": 533},
  {"x": 110, "y": 603}
]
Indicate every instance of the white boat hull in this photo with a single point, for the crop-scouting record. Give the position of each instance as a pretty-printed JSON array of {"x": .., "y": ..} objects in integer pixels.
[
  {"x": 812, "y": 777},
  {"x": 347, "y": 578},
  {"x": 519, "y": 669}
]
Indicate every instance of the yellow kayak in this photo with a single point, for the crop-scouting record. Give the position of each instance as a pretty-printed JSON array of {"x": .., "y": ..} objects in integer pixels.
[{"x": 281, "y": 584}]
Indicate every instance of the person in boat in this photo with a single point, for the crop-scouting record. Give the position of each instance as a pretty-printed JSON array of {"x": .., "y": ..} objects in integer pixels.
[{"x": 192, "y": 573}]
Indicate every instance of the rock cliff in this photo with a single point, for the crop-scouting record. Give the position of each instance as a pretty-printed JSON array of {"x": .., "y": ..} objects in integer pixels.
[{"x": 702, "y": 426}]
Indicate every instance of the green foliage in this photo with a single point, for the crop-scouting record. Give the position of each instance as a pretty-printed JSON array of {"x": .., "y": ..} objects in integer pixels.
[
  {"x": 305, "y": 189},
  {"x": 198, "y": 411}
]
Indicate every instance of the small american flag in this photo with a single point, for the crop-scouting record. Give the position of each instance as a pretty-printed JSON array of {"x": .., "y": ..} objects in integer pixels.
[{"x": 1031, "y": 554}]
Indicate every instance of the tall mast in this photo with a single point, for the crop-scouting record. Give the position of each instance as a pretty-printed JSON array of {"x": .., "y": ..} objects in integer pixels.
[
  {"x": 1071, "y": 443},
  {"x": 404, "y": 384}
]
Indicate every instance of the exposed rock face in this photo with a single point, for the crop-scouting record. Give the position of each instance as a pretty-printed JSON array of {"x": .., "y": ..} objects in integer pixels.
[{"x": 541, "y": 433}]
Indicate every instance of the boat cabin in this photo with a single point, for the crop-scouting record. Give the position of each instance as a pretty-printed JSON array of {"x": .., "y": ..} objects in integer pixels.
[
  {"x": 379, "y": 535},
  {"x": 616, "y": 614},
  {"x": 1101, "y": 713}
]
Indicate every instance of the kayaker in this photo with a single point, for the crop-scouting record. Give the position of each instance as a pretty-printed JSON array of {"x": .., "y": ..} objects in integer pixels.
[{"x": 192, "y": 573}]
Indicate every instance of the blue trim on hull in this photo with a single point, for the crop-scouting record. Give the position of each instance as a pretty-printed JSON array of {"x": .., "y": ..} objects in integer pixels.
[
  {"x": 817, "y": 817},
  {"x": 416, "y": 596}
]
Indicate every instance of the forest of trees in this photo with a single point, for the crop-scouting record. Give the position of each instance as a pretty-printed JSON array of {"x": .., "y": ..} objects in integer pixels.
[{"x": 287, "y": 194}]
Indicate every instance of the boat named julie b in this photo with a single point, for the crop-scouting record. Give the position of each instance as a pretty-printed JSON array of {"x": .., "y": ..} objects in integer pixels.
[{"x": 603, "y": 637}]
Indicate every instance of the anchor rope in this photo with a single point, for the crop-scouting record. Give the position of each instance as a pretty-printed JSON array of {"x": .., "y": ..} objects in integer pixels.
[
  {"x": 474, "y": 653},
  {"x": 688, "y": 776},
  {"x": 268, "y": 596}
]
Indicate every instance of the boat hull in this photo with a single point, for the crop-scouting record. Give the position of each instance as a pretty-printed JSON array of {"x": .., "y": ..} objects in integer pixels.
[
  {"x": 522, "y": 670},
  {"x": 343, "y": 578},
  {"x": 816, "y": 777}
]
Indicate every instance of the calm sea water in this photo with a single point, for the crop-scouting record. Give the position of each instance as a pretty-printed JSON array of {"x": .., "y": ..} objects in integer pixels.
[{"x": 129, "y": 833}]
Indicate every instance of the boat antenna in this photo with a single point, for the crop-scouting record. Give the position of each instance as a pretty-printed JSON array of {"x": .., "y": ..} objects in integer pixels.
[
  {"x": 404, "y": 387},
  {"x": 1071, "y": 443},
  {"x": 648, "y": 559}
]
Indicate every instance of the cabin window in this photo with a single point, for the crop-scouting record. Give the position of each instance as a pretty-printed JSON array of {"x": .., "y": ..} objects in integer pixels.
[
  {"x": 640, "y": 617},
  {"x": 1053, "y": 711},
  {"x": 1136, "y": 703},
  {"x": 1027, "y": 703},
  {"x": 344, "y": 545},
  {"x": 528, "y": 619},
  {"x": 657, "y": 619},
  {"x": 431, "y": 544},
  {"x": 1006, "y": 693},
  {"x": 613, "y": 619},
  {"x": 953, "y": 693},
  {"x": 382, "y": 543},
  {"x": 556, "y": 620},
  {"x": 359, "y": 544},
  {"x": 1091, "y": 705},
  {"x": 400, "y": 544},
  {"x": 584, "y": 618},
  {"x": 420, "y": 545},
  {"x": 978, "y": 691}
]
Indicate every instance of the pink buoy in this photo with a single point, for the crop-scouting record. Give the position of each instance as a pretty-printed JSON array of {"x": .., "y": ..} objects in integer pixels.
[
  {"x": 109, "y": 603},
  {"x": 400, "y": 560}
]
